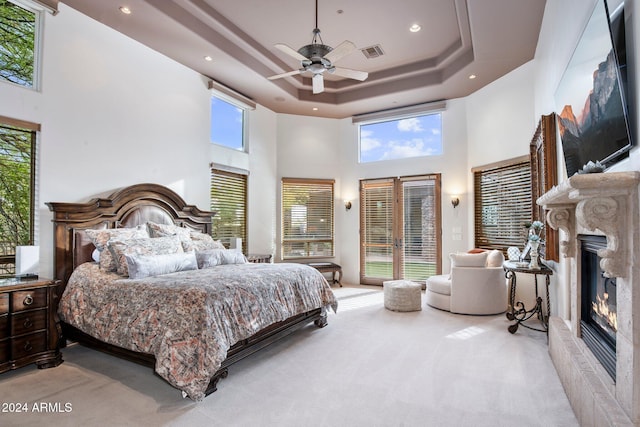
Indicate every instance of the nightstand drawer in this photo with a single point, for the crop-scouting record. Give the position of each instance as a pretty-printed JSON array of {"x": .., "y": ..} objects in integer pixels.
[
  {"x": 4, "y": 303},
  {"x": 28, "y": 344},
  {"x": 26, "y": 300},
  {"x": 4, "y": 324},
  {"x": 30, "y": 321},
  {"x": 4, "y": 351}
]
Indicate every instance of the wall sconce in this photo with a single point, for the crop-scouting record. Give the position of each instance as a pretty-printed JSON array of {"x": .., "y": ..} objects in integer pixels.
[
  {"x": 455, "y": 201},
  {"x": 347, "y": 204}
]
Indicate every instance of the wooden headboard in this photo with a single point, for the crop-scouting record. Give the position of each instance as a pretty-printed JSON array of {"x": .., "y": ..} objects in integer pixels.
[{"x": 126, "y": 207}]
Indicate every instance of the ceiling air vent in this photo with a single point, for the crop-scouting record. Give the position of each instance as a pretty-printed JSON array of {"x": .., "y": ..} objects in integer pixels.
[{"x": 372, "y": 51}]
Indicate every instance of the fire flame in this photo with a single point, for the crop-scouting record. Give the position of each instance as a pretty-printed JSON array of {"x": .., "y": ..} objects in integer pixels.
[{"x": 601, "y": 308}]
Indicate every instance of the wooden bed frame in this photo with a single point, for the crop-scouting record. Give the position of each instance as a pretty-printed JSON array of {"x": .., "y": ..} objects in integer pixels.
[{"x": 129, "y": 207}]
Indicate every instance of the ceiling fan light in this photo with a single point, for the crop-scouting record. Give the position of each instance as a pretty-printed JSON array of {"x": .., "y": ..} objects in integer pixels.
[{"x": 318, "y": 83}]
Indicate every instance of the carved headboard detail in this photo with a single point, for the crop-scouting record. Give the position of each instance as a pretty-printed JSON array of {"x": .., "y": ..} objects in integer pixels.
[{"x": 126, "y": 207}]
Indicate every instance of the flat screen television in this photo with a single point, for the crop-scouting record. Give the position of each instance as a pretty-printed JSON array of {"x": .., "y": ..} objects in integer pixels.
[{"x": 593, "y": 119}]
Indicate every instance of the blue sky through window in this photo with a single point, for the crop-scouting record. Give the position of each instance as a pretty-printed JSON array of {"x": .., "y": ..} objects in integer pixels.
[
  {"x": 400, "y": 139},
  {"x": 226, "y": 124}
]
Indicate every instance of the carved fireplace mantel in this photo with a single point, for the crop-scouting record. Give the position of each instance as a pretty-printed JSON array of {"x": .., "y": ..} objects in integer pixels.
[{"x": 600, "y": 202}]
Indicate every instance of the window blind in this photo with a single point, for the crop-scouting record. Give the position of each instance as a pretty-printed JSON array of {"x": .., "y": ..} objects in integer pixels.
[
  {"x": 229, "y": 201},
  {"x": 307, "y": 218},
  {"x": 376, "y": 219},
  {"x": 502, "y": 205}
]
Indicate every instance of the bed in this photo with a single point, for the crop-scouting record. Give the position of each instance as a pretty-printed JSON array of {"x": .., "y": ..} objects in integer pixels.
[{"x": 191, "y": 323}]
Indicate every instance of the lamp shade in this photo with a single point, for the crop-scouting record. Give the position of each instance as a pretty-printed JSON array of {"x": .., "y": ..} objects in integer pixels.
[{"x": 27, "y": 260}]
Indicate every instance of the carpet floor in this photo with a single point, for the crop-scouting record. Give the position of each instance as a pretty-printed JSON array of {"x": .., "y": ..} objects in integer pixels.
[{"x": 368, "y": 367}]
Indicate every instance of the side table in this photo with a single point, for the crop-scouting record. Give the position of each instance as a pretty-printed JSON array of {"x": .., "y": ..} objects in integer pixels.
[
  {"x": 516, "y": 310},
  {"x": 29, "y": 327},
  {"x": 259, "y": 258}
]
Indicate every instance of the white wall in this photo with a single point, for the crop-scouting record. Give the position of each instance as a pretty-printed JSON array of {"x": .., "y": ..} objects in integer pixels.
[
  {"x": 557, "y": 41},
  {"x": 115, "y": 113},
  {"x": 326, "y": 148}
]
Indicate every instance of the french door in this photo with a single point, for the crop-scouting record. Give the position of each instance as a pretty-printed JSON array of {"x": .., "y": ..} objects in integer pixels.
[{"x": 400, "y": 229}]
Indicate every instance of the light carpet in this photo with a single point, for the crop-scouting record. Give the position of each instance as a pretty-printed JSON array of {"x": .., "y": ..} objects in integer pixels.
[{"x": 368, "y": 367}]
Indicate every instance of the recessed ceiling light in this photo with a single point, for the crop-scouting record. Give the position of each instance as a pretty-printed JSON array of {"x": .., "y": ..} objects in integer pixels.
[
  {"x": 125, "y": 10},
  {"x": 415, "y": 28},
  {"x": 315, "y": 108},
  {"x": 208, "y": 58},
  {"x": 472, "y": 76}
]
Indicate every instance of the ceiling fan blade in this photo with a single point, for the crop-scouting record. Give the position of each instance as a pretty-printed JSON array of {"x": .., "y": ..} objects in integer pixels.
[
  {"x": 318, "y": 83},
  {"x": 290, "y": 73},
  {"x": 343, "y": 49},
  {"x": 351, "y": 74},
  {"x": 290, "y": 51}
]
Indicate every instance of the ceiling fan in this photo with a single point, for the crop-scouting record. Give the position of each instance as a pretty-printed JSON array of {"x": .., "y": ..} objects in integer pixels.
[{"x": 318, "y": 58}]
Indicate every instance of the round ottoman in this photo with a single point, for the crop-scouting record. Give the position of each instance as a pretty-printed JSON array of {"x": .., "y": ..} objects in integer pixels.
[{"x": 402, "y": 295}]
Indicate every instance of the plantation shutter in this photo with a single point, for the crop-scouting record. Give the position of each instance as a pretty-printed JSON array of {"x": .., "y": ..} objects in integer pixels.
[
  {"x": 229, "y": 201},
  {"x": 502, "y": 205},
  {"x": 307, "y": 218}
]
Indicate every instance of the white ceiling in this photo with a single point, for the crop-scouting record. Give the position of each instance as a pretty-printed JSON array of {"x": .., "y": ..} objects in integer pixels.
[{"x": 487, "y": 38}]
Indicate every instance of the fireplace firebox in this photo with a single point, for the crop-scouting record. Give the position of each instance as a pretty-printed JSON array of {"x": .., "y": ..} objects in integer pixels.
[{"x": 598, "y": 322}]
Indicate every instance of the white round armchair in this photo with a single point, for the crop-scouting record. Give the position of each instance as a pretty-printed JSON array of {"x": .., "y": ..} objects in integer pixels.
[{"x": 476, "y": 285}]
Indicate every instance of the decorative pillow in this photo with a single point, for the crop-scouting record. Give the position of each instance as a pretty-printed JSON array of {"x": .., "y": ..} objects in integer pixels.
[
  {"x": 147, "y": 246},
  {"x": 201, "y": 243},
  {"x": 495, "y": 258},
  {"x": 141, "y": 266},
  {"x": 164, "y": 230},
  {"x": 95, "y": 255},
  {"x": 469, "y": 260},
  {"x": 476, "y": 251},
  {"x": 100, "y": 239},
  {"x": 212, "y": 257}
]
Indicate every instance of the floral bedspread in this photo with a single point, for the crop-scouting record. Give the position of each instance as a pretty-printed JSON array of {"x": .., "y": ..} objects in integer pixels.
[{"x": 190, "y": 319}]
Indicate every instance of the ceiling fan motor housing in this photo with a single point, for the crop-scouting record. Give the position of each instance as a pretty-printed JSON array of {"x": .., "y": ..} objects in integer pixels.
[{"x": 314, "y": 51}]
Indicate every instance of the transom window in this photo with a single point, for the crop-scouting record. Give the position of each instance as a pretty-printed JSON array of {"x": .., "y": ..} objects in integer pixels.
[
  {"x": 307, "y": 218},
  {"x": 20, "y": 29},
  {"x": 227, "y": 124},
  {"x": 402, "y": 138}
]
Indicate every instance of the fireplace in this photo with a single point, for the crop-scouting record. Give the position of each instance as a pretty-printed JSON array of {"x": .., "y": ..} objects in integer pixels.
[
  {"x": 608, "y": 205},
  {"x": 598, "y": 320}
]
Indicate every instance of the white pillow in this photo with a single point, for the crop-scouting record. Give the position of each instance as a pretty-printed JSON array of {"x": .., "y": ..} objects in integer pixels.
[
  {"x": 468, "y": 260},
  {"x": 141, "y": 266},
  {"x": 212, "y": 257},
  {"x": 495, "y": 258}
]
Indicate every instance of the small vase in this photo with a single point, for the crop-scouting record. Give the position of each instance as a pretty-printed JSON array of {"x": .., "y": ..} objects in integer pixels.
[{"x": 534, "y": 256}]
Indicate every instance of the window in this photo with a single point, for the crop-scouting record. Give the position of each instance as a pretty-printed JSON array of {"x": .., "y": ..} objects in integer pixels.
[
  {"x": 227, "y": 124},
  {"x": 17, "y": 189},
  {"x": 502, "y": 204},
  {"x": 19, "y": 43},
  {"x": 402, "y": 138},
  {"x": 307, "y": 218},
  {"x": 229, "y": 201}
]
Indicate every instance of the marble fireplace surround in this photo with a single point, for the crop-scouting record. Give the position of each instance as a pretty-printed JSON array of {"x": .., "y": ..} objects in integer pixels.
[{"x": 602, "y": 204}]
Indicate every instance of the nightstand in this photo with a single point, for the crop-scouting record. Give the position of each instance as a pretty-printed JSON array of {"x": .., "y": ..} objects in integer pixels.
[
  {"x": 28, "y": 323},
  {"x": 259, "y": 258}
]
